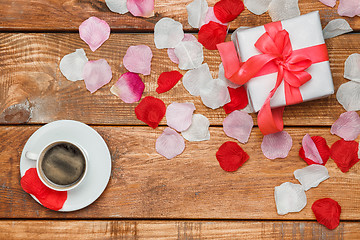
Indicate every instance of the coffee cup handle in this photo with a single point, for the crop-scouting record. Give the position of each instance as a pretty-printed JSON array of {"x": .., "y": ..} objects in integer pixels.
[{"x": 32, "y": 156}]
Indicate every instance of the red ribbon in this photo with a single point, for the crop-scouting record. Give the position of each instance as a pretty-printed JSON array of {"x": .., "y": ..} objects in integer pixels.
[{"x": 277, "y": 56}]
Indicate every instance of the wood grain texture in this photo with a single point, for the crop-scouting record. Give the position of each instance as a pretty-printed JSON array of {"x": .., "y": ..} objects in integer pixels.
[
  {"x": 62, "y": 15},
  {"x": 32, "y": 89},
  {"x": 144, "y": 184},
  {"x": 86, "y": 230}
]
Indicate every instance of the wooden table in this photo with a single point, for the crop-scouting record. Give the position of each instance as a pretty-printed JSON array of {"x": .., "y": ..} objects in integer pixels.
[{"x": 148, "y": 196}]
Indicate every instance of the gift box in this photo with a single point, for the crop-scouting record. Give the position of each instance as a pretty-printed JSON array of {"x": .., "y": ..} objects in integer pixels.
[{"x": 306, "y": 37}]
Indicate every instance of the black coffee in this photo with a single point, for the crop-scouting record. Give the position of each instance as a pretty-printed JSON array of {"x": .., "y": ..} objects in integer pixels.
[{"x": 63, "y": 164}]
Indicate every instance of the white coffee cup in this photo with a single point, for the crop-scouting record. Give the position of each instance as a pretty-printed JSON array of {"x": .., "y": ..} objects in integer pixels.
[{"x": 39, "y": 157}]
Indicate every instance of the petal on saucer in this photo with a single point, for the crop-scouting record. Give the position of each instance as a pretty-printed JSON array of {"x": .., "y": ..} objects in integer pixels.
[
  {"x": 238, "y": 125},
  {"x": 118, "y": 6},
  {"x": 170, "y": 143},
  {"x": 94, "y": 32},
  {"x": 179, "y": 115},
  {"x": 97, "y": 74},
  {"x": 199, "y": 129},
  {"x": 49, "y": 198},
  {"x": 167, "y": 33},
  {"x": 128, "y": 88},
  {"x": 138, "y": 59},
  {"x": 72, "y": 65}
]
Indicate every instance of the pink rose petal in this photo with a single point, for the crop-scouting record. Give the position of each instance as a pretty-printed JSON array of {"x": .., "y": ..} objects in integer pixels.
[
  {"x": 310, "y": 149},
  {"x": 97, "y": 74},
  {"x": 347, "y": 126},
  {"x": 210, "y": 16},
  {"x": 170, "y": 143},
  {"x": 141, "y": 8},
  {"x": 179, "y": 115},
  {"x": 238, "y": 125},
  {"x": 276, "y": 145},
  {"x": 330, "y": 3},
  {"x": 349, "y": 8},
  {"x": 138, "y": 59},
  {"x": 129, "y": 87},
  {"x": 171, "y": 51},
  {"x": 94, "y": 32}
]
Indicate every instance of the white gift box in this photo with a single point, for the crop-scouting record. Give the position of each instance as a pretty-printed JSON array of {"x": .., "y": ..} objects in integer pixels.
[{"x": 304, "y": 31}]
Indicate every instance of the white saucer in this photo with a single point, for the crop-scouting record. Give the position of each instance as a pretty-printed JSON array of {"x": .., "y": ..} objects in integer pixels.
[{"x": 99, "y": 169}]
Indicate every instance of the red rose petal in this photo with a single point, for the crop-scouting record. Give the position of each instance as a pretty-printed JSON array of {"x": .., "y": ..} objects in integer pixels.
[
  {"x": 345, "y": 154},
  {"x": 211, "y": 34},
  {"x": 231, "y": 156},
  {"x": 49, "y": 198},
  {"x": 327, "y": 212},
  {"x": 239, "y": 100},
  {"x": 150, "y": 110},
  {"x": 167, "y": 80},
  {"x": 322, "y": 147},
  {"x": 228, "y": 10}
]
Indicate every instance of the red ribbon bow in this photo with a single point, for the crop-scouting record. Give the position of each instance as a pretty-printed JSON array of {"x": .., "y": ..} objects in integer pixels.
[{"x": 277, "y": 56}]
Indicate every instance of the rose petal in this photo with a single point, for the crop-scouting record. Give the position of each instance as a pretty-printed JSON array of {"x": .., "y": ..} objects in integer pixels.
[
  {"x": 198, "y": 130},
  {"x": 197, "y": 10},
  {"x": 347, "y": 126},
  {"x": 49, "y": 198},
  {"x": 289, "y": 197},
  {"x": 276, "y": 145},
  {"x": 141, "y": 8},
  {"x": 257, "y": 7},
  {"x": 171, "y": 51},
  {"x": 94, "y": 32},
  {"x": 352, "y": 67},
  {"x": 170, "y": 143},
  {"x": 280, "y": 10},
  {"x": 196, "y": 79},
  {"x": 215, "y": 94},
  {"x": 228, "y": 10},
  {"x": 118, "y": 6},
  {"x": 336, "y": 27},
  {"x": 348, "y": 95},
  {"x": 327, "y": 212},
  {"x": 72, "y": 65},
  {"x": 129, "y": 87},
  {"x": 349, "y": 8},
  {"x": 190, "y": 54},
  {"x": 97, "y": 74},
  {"x": 330, "y": 3},
  {"x": 210, "y": 16},
  {"x": 221, "y": 75},
  {"x": 211, "y": 34},
  {"x": 311, "y": 176},
  {"x": 150, "y": 110},
  {"x": 179, "y": 115},
  {"x": 231, "y": 156},
  {"x": 138, "y": 59},
  {"x": 167, "y": 80},
  {"x": 345, "y": 154},
  {"x": 310, "y": 150},
  {"x": 167, "y": 33},
  {"x": 322, "y": 148},
  {"x": 239, "y": 100},
  {"x": 238, "y": 125},
  {"x": 248, "y": 109}
]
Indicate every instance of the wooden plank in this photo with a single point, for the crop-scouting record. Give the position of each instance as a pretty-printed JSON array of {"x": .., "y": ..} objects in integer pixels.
[
  {"x": 55, "y": 15},
  {"x": 12, "y": 230},
  {"x": 33, "y": 90},
  {"x": 191, "y": 186}
]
